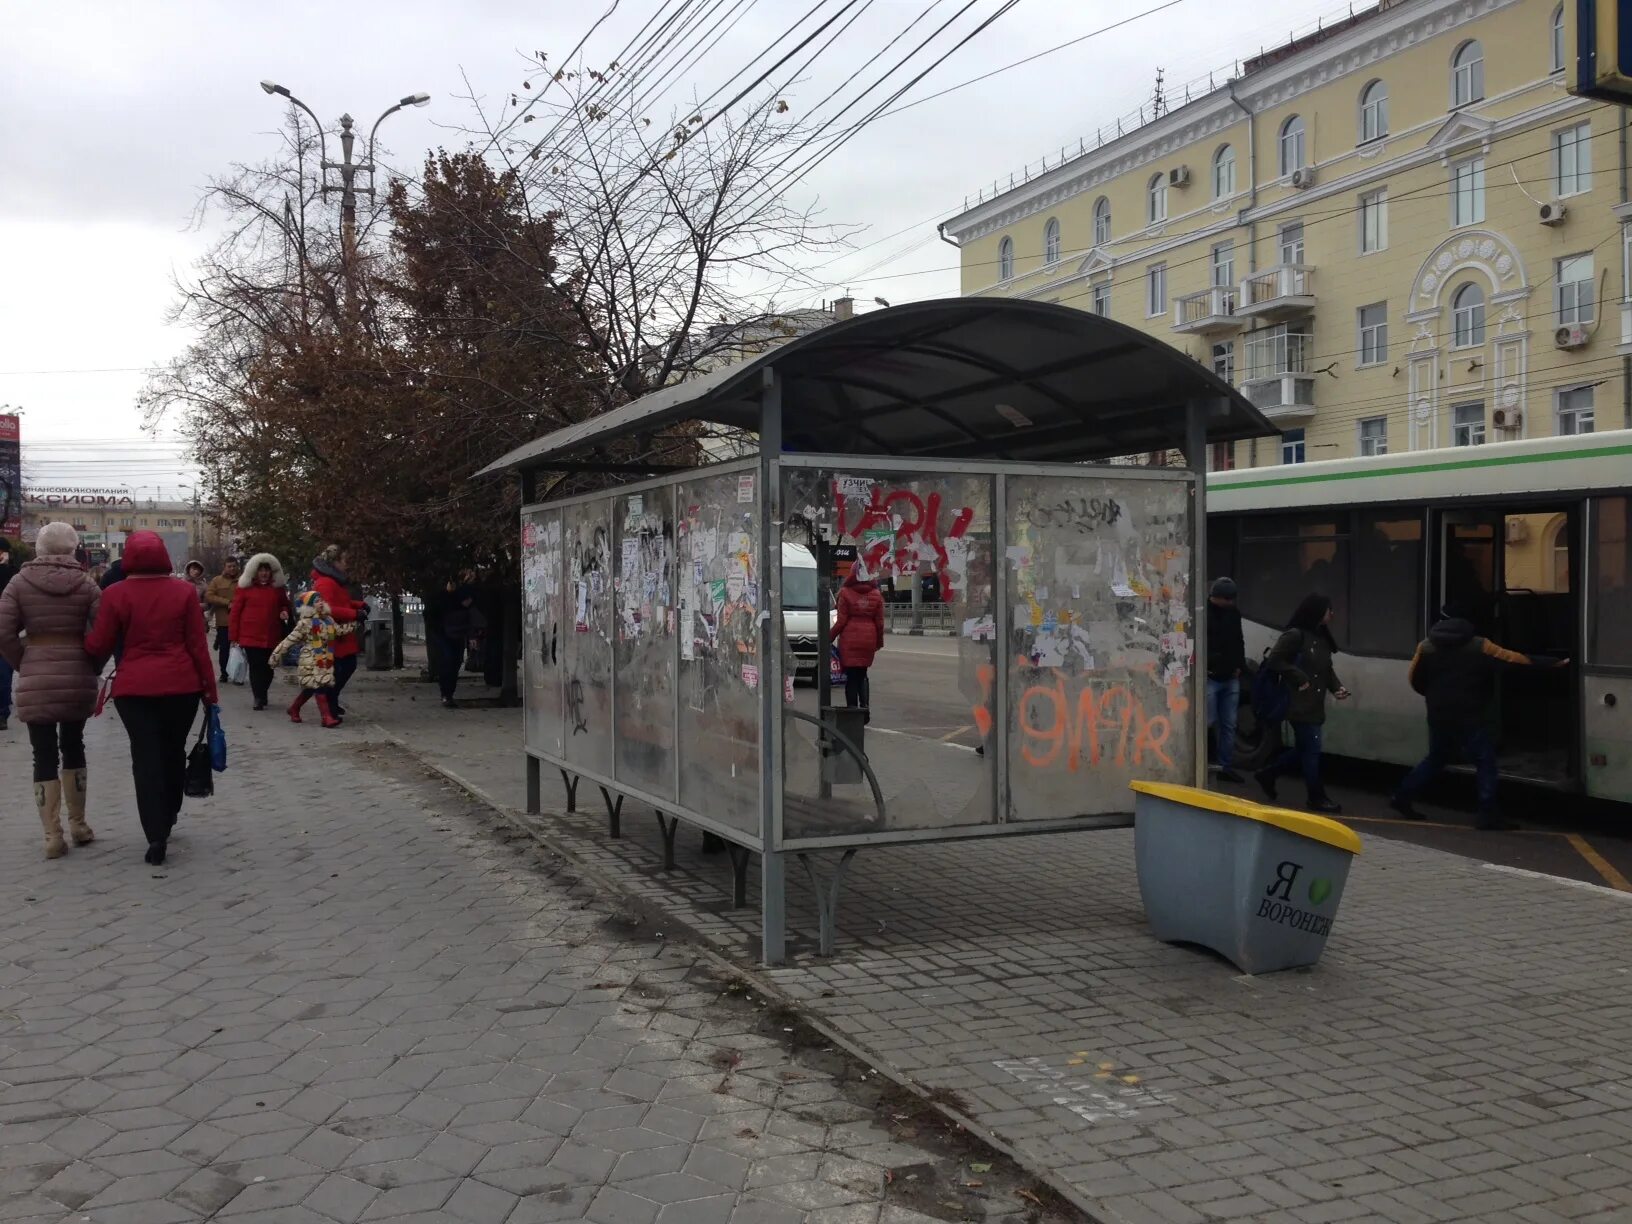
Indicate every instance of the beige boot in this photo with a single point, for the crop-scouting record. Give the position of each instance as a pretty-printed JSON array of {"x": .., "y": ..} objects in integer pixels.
[
  {"x": 48, "y": 799},
  {"x": 73, "y": 798}
]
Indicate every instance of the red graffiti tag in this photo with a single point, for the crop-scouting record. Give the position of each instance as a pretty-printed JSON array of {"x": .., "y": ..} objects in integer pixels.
[{"x": 920, "y": 525}]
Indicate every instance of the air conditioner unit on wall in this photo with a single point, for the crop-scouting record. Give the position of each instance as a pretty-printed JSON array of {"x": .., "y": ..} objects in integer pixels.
[
  {"x": 1571, "y": 337},
  {"x": 1179, "y": 176},
  {"x": 1304, "y": 178},
  {"x": 1518, "y": 531},
  {"x": 1552, "y": 213},
  {"x": 1503, "y": 418}
]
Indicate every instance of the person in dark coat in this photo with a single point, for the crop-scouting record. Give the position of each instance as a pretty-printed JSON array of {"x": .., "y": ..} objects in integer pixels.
[
  {"x": 859, "y": 632},
  {"x": 1302, "y": 656},
  {"x": 453, "y": 618},
  {"x": 44, "y": 613},
  {"x": 113, "y": 574},
  {"x": 1226, "y": 660},
  {"x": 165, "y": 670},
  {"x": 1455, "y": 671},
  {"x": 8, "y": 571},
  {"x": 345, "y": 599}
]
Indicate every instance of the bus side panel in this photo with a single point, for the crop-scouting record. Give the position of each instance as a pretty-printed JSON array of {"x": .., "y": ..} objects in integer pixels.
[{"x": 1608, "y": 737}]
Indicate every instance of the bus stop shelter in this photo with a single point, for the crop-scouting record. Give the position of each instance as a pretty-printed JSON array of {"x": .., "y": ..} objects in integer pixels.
[{"x": 966, "y": 439}]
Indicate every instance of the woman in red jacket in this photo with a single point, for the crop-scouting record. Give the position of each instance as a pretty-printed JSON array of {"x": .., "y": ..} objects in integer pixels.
[
  {"x": 859, "y": 631},
  {"x": 345, "y": 600},
  {"x": 260, "y": 616},
  {"x": 155, "y": 624}
]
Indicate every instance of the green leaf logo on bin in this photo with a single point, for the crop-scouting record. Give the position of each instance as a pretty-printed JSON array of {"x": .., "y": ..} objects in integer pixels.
[{"x": 1319, "y": 890}]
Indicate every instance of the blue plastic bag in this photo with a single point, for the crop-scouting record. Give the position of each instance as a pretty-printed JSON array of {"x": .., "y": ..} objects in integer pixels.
[{"x": 218, "y": 741}]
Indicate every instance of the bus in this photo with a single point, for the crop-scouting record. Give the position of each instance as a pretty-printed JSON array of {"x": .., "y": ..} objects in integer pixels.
[{"x": 1533, "y": 538}]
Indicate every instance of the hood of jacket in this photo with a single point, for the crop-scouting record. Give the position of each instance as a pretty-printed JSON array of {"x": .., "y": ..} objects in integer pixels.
[
  {"x": 1451, "y": 633},
  {"x": 861, "y": 586},
  {"x": 328, "y": 569},
  {"x": 145, "y": 553},
  {"x": 52, "y": 575},
  {"x": 247, "y": 578}
]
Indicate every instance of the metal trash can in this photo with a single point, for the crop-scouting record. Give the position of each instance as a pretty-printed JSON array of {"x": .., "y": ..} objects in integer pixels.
[
  {"x": 1258, "y": 885},
  {"x": 840, "y": 766},
  {"x": 378, "y": 654}
]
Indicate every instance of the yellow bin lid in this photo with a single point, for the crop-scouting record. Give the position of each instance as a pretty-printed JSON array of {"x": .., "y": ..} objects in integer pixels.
[{"x": 1304, "y": 824}]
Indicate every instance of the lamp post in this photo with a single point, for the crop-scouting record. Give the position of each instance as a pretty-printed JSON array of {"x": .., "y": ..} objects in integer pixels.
[{"x": 347, "y": 187}]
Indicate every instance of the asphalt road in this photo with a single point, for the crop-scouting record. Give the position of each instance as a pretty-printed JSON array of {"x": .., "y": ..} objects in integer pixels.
[{"x": 915, "y": 691}]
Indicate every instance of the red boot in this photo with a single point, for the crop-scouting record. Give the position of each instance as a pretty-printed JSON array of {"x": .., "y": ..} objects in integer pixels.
[
  {"x": 323, "y": 706},
  {"x": 294, "y": 710}
]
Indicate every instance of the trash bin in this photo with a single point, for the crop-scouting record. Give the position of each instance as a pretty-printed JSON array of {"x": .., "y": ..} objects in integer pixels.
[
  {"x": 378, "y": 654},
  {"x": 1258, "y": 885},
  {"x": 839, "y": 764}
]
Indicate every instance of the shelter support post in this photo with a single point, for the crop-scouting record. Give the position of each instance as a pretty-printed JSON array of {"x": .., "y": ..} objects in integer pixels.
[
  {"x": 1195, "y": 458},
  {"x": 535, "y": 798},
  {"x": 739, "y": 873},
  {"x": 570, "y": 781},
  {"x": 773, "y": 900},
  {"x": 669, "y": 826},
  {"x": 827, "y": 899},
  {"x": 614, "y": 813}
]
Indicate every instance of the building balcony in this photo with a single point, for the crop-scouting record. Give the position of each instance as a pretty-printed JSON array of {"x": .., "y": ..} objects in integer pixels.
[
  {"x": 1281, "y": 292},
  {"x": 1287, "y": 398},
  {"x": 1625, "y": 346},
  {"x": 1208, "y": 313}
]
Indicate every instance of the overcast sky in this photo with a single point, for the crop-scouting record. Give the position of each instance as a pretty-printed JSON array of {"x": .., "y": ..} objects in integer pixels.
[{"x": 113, "y": 115}]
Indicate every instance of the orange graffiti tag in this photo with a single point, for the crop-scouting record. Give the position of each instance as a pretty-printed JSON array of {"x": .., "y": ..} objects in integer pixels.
[{"x": 1107, "y": 721}]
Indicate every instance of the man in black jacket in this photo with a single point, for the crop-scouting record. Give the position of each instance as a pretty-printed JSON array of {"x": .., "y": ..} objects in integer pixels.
[
  {"x": 1455, "y": 671},
  {"x": 1226, "y": 659}
]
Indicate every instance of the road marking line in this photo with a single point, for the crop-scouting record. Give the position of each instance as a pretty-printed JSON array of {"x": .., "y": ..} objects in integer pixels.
[
  {"x": 1603, "y": 890},
  {"x": 1599, "y": 863},
  {"x": 952, "y": 735}
]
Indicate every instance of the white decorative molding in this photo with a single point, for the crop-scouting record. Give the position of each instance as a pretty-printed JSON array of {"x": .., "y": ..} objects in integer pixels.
[
  {"x": 1510, "y": 354},
  {"x": 1423, "y": 397},
  {"x": 1095, "y": 261},
  {"x": 1462, "y": 134},
  {"x": 1493, "y": 255}
]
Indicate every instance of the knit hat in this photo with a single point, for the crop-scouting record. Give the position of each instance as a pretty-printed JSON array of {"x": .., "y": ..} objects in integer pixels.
[
  {"x": 308, "y": 602},
  {"x": 54, "y": 540},
  {"x": 1223, "y": 588}
]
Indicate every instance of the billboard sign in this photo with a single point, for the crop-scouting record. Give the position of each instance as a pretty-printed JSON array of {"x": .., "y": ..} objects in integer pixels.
[{"x": 11, "y": 476}]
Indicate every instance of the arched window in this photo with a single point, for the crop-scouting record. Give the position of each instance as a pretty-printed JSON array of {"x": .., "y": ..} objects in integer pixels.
[
  {"x": 1051, "y": 241},
  {"x": 1468, "y": 316},
  {"x": 1157, "y": 190},
  {"x": 1292, "y": 149},
  {"x": 1224, "y": 173},
  {"x": 1558, "y": 39},
  {"x": 1005, "y": 259},
  {"x": 1102, "y": 221},
  {"x": 1468, "y": 74},
  {"x": 1373, "y": 112}
]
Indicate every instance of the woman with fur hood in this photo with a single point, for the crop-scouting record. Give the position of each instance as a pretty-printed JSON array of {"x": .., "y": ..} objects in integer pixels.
[
  {"x": 44, "y": 614},
  {"x": 314, "y": 634},
  {"x": 260, "y": 616}
]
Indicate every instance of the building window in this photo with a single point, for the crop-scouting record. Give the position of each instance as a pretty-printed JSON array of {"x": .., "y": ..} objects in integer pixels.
[
  {"x": 1224, "y": 173},
  {"x": 1051, "y": 241},
  {"x": 1374, "y": 334},
  {"x": 1468, "y": 316},
  {"x": 1005, "y": 259},
  {"x": 1156, "y": 289},
  {"x": 1468, "y": 425},
  {"x": 1224, "y": 360},
  {"x": 1374, "y": 221},
  {"x": 1572, "y": 160},
  {"x": 1373, "y": 112},
  {"x": 1575, "y": 411},
  {"x": 1468, "y": 192},
  {"x": 1102, "y": 299},
  {"x": 1222, "y": 457},
  {"x": 1102, "y": 221},
  {"x": 1223, "y": 265},
  {"x": 1374, "y": 437},
  {"x": 1289, "y": 241},
  {"x": 1157, "y": 191},
  {"x": 1292, "y": 446},
  {"x": 1558, "y": 39},
  {"x": 1575, "y": 286},
  {"x": 1292, "y": 149},
  {"x": 1468, "y": 74}
]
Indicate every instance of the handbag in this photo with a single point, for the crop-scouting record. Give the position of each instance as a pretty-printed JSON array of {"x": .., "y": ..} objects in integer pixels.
[
  {"x": 199, "y": 781},
  {"x": 103, "y": 692},
  {"x": 218, "y": 741},
  {"x": 237, "y": 665}
]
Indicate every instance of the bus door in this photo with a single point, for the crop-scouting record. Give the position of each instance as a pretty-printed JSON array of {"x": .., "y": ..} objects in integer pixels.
[{"x": 1515, "y": 576}]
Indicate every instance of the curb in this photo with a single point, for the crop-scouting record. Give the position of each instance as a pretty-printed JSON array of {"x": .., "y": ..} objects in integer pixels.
[{"x": 752, "y": 975}]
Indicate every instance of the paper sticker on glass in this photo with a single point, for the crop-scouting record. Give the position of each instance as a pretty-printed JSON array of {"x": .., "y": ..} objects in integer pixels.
[
  {"x": 587, "y": 634},
  {"x": 644, "y": 647},
  {"x": 541, "y": 629}
]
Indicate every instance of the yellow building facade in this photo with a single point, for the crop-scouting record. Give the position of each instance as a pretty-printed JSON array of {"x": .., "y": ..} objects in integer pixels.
[{"x": 1399, "y": 234}]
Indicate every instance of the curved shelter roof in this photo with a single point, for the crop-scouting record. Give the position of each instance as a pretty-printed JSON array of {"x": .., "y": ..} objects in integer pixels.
[{"x": 954, "y": 378}]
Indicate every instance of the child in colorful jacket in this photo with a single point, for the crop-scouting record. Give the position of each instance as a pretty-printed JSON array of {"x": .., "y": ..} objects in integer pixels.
[{"x": 313, "y": 633}]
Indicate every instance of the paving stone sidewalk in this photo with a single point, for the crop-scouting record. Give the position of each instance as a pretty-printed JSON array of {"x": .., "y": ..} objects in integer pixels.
[
  {"x": 354, "y": 994},
  {"x": 1462, "y": 1053}
]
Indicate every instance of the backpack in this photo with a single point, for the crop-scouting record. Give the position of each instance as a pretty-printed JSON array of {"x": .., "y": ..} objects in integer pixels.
[{"x": 1272, "y": 693}]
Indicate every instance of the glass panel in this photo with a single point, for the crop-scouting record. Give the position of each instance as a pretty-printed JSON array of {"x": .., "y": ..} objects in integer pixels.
[
  {"x": 1099, "y": 652},
  {"x": 928, "y": 696},
  {"x": 1387, "y": 554},
  {"x": 541, "y": 573},
  {"x": 1285, "y": 557},
  {"x": 1609, "y": 640},
  {"x": 717, "y": 538},
  {"x": 588, "y": 647},
  {"x": 645, "y": 640}
]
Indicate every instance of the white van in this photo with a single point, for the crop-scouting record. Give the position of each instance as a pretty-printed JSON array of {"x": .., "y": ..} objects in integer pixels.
[{"x": 799, "y": 608}]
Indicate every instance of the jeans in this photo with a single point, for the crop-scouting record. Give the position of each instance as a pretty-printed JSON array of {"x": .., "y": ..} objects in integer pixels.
[
  {"x": 260, "y": 671},
  {"x": 223, "y": 648},
  {"x": 158, "y": 728},
  {"x": 1223, "y": 699},
  {"x": 47, "y": 738},
  {"x": 1305, "y": 754},
  {"x": 343, "y": 668},
  {"x": 1447, "y": 743},
  {"x": 858, "y": 691},
  {"x": 5, "y": 689}
]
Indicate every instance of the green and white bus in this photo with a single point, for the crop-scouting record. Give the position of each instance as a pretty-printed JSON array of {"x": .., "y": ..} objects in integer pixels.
[{"x": 1533, "y": 536}]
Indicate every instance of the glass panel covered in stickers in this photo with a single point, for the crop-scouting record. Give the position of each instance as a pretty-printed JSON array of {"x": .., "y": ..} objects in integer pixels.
[
  {"x": 542, "y": 604},
  {"x": 644, "y": 646},
  {"x": 1100, "y": 652},
  {"x": 718, "y": 598},
  {"x": 873, "y": 535},
  {"x": 587, "y": 635}
]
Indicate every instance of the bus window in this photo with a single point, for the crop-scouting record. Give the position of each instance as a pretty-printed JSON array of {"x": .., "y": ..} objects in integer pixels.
[
  {"x": 1387, "y": 619},
  {"x": 1281, "y": 558},
  {"x": 1220, "y": 548},
  {"x": 1609, "y": 632}
]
